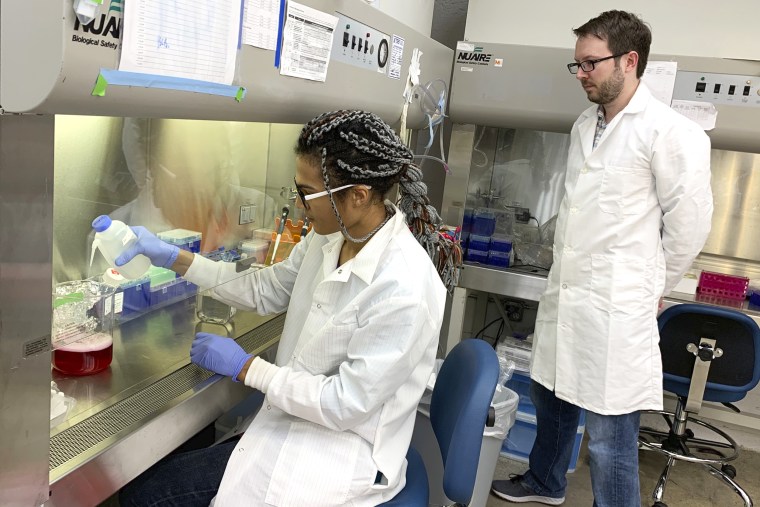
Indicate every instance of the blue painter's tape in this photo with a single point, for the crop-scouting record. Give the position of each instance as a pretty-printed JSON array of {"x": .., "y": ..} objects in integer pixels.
[
  {"x": 240, "y": 28},
  {"x": 121, "y": 78},
  {"x": 279, "y": 35}
]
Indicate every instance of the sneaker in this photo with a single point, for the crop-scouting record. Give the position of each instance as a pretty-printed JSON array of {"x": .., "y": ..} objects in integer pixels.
[{"x": 514, "y": 490}]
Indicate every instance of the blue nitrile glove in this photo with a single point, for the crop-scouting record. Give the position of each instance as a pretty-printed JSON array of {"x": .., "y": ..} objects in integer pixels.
[
  {"x": 219, "y": 354},
  {"x": 160, "y": 253}
]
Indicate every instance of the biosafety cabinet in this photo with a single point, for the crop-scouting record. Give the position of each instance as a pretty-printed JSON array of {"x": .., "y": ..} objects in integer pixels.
[
  {"x": 513, "y": 104},
  {"x": 208, "y": 163}
]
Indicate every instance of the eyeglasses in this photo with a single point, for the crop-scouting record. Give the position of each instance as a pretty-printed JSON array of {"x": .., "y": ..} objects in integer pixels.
[
  {"x": 588, "y": 65},
  {"x": 315, "y": 195}
]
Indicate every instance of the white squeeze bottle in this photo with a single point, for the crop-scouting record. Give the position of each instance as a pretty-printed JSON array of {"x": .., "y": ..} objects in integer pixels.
[{"x": 113, "y": 237}]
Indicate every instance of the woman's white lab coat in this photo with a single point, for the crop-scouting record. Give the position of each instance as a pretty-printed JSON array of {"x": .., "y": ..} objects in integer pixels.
[
  {"x": 636, "y": 212},
  {"x": 357, "y": 349}
]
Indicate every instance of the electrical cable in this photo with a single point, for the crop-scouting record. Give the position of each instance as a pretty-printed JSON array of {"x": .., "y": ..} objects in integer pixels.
[{"x": 497, "y": 319}]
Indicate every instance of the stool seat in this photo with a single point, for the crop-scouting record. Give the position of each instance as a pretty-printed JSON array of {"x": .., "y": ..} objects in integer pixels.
[{"x": 416, "y": 492}]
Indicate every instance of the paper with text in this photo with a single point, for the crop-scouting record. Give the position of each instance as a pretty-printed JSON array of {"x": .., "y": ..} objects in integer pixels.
[
  {"x": 188, "y": 39},
  {"x": 306, "y": 42},
  {"x": 704, "y": 113},
  {"x": 261, "y": 22},
  {"x": 660, "y": 78},
  {"x": 396, "y": 57}
]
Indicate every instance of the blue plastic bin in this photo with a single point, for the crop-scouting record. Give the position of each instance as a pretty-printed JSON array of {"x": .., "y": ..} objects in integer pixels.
[
  {"x": 478, "y": 242},
  {"x": 483, "y": 223},
  {"x": 476, "y": 255},
  {"x": 498, "y": 259},
  {"x": 500, "y": 244}
]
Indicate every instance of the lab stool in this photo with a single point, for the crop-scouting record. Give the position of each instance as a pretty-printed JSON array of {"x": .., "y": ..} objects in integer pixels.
[{"x": 708, "y": 354}]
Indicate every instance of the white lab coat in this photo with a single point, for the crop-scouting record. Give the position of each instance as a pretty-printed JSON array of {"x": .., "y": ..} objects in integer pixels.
[
  {"x": 636, "y": 212},
  {"x": 358, "y": 346}
]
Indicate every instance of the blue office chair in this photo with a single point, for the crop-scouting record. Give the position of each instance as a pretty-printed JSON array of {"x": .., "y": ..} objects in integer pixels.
[
  {"x": 460, "y": 410},
  {"x": 708, "y": 354}
]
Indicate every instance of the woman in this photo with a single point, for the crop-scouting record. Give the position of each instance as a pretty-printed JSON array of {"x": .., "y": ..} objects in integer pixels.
[{"x": 364, "y": 308}]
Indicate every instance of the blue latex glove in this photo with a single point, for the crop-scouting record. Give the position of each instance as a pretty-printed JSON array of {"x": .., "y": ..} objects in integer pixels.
[
  {"x": 219, "y": 354},
  {"x": 160, "y": 253}
]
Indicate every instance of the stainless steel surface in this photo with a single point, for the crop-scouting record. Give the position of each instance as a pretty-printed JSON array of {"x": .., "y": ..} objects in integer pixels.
[
  {"x": 533, "y": 90},
  {"x": 126, "y": 456},
  {"x": 515, "y": 283},
  {"x": 123, "y": 432},
  {"x": 145, "y": 349},
  {"x": 26, "y": 212},
  {"x": 736, "y": 218},
  {"x": 455, "y": 187},
  {"x": 64, "y": 73}
]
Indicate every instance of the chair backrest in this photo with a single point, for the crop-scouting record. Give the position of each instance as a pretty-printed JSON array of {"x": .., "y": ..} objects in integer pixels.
[
  {"x": 459, "y": 407},
  {"x": 730, "y": 376}
]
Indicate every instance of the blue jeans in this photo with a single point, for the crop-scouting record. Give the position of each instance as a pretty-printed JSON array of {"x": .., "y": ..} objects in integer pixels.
[
  {"x": 189, "y": 479},
  {"x": 613, "y": 449}
]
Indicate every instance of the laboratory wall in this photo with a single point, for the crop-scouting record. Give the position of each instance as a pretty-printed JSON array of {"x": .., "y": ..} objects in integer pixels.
[
  {"x": 166, "y": 174},
  {"x": 695, "y": 28}
]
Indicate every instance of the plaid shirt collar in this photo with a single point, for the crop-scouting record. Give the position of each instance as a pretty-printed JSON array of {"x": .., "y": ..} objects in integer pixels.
[{"x": 601, "y": 124}]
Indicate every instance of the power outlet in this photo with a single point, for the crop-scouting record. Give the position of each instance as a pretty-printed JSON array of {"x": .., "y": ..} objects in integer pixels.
[
  {"x": 514, "y": 312},
  {"x": 247, "y": 214},
  {"x": 522, "y": 215}
]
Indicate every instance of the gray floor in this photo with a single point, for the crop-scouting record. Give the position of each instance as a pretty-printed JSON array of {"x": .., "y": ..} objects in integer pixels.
[{"x": 689, "y": 485}]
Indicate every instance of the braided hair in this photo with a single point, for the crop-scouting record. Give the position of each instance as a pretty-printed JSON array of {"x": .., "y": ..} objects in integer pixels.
[{"x": 358, "y": 147}]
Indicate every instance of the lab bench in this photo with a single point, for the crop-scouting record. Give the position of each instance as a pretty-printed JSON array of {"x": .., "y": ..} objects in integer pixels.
[
  {"x": 150, "y": 401},
  {"x": 529, "y": 284}
]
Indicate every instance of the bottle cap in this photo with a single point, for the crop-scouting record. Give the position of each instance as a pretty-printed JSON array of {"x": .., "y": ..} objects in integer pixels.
[
  {"x": 113, "y": 278},
  {"x": 101, "y": 223}
]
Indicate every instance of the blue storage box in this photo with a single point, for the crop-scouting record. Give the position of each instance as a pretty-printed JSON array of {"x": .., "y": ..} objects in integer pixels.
[
  {"x": 498, "y": 259},
  {"x": 136, "y": 295},
  {"x": 186, "y": 240},
  {"x": 478, "y": 242},
  {"x": 520, "y": 384},
  {"x": 467, "y": 221},
  {"x": 522, "y": 435},
  {"x": 500, "y": 244},
  {"x": 483, "y": 223},
  {"x": 476, "y": 255}
]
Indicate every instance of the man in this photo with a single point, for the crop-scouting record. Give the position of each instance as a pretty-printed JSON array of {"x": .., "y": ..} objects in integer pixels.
[{"x": 636, "y": 211}]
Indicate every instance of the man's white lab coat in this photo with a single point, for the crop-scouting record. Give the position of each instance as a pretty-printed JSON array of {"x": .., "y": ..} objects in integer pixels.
[
  {"x": 636, "y": 212},
  {"x": 357, "y": 349}
]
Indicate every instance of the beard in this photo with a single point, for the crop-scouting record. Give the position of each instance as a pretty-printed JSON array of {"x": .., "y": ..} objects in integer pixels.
[{"x": 609, "y": 90}]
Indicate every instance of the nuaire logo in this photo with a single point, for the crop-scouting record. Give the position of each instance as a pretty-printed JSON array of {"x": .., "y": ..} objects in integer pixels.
[
  {"x": 476, "y": 56},
  {"x": 107, "y": 24}
]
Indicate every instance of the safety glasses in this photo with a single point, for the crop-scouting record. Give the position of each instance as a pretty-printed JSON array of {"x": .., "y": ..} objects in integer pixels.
[{"x": 308, "y": 197}]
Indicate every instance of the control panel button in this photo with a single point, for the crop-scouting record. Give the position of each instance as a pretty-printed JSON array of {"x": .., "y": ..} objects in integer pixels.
[
  {"x": 716, "y": 88},
  {"x": 732, "y": 89},
  {"x": 701, "y": 87}
]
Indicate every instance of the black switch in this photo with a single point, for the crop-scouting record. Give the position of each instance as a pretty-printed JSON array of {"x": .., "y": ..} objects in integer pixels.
[
  {"x": 353, "y": 42},
  {"x": 366, "y": 47},
  {"x": 345, "y": 39},
  {"x": 731, "y": 89},
  {"x": 360, "y": 45},
  {"x": 746, "y": 91},
  {"x": 716, "y": 88},
  {"x": 701, "y": 87}
]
